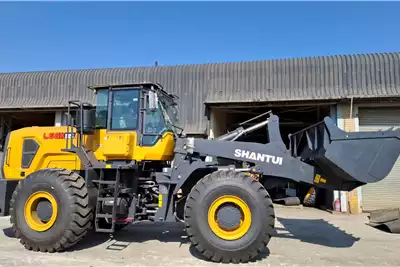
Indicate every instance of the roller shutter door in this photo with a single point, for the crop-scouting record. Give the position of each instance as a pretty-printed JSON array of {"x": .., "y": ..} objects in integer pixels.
[{"x": 386, "y": 193}]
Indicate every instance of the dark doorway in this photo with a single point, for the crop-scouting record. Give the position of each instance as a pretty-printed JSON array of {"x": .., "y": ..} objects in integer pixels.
[{"x": 14, "y": 120}]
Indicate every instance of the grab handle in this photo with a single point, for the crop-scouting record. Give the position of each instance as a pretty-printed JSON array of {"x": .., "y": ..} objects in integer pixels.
[{"x": 8, "y": 156}]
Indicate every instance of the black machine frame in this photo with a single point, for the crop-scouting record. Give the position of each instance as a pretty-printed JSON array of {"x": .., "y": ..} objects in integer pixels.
[{"x": 322, "y": 155}]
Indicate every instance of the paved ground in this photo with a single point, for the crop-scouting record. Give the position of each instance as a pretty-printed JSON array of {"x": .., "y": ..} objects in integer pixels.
[{"x": 305, "y": 237}]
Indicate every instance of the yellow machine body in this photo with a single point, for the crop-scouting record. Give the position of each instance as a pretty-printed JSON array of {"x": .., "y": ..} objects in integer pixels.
[
  {"x": 115, "y": 164},
  {"x": 106, "y": 146}
]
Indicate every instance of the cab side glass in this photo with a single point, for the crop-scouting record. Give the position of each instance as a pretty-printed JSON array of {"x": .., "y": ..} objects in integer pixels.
[{"x": 101, "y": 108}]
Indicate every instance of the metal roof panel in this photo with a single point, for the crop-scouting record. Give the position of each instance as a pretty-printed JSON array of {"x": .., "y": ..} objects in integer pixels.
[{"x": 312, "y": 78}]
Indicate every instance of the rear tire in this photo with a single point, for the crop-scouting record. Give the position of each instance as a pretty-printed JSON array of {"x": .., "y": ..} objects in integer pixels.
[
  {"x": 229, "y": 248},
  {"x": 73, "y": 217}
]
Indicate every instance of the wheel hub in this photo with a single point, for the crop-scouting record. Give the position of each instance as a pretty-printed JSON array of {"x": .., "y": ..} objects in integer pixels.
[
  {"x": 44, "y": 210},
  {"x": 40, "y": 211},
  {"x": 229, "y": 216}
]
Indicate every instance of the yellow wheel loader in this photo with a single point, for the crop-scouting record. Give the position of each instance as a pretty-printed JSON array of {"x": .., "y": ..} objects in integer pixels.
[{"x": 126, "y": 160}]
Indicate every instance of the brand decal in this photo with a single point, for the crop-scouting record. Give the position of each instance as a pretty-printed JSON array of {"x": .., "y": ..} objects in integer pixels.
[
  {"x": 58, "y": 135},
  {"x": 239, "y": 153}
]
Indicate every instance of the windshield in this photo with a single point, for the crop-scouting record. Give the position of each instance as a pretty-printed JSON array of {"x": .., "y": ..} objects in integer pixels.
[
  {"x": 168, "y": 115},
  {"x": 171, "y": 108}
]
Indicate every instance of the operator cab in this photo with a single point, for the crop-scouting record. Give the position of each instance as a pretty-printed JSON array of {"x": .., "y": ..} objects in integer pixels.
[
  {"x": 151, "y": 118},
  {"x": 131, "y": 122}
]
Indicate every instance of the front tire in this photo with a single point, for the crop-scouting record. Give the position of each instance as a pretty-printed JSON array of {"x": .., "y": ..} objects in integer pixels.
[
  {"x": 229, "y": 217},
  {"x": 67, "y": 208}
]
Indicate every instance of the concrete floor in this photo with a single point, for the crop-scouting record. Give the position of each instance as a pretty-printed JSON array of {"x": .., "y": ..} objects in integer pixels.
[{"x": 304, "y": 237}]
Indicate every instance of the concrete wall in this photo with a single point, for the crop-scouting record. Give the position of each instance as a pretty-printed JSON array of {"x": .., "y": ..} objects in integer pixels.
[
  {"x": 58, "y": 118},
  {"x": 61, "y": 118},
  {"x": 218, "y": 123}
]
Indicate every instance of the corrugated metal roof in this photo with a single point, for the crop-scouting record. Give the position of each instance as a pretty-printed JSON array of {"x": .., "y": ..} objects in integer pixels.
[
  {"x": 314, "y": 78},
  {"x": 329, "y": 77},
  {"x": 55, "y": 88}
]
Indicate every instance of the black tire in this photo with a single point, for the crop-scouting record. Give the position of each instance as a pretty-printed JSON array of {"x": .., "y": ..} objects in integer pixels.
[
  {"x": 74, "y": 213},
  {"x": 310, "y": 201},
  {"x": 256, "y": 197}
]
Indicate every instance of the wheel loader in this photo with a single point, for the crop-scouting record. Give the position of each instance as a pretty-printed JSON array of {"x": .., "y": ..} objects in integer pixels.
[{"x": 126, "y": 160}]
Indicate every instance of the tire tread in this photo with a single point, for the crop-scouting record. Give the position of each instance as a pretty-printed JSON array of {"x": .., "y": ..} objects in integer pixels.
[
  {"x": 82, "y": 214},
  {"x": 220, "y": 176}
]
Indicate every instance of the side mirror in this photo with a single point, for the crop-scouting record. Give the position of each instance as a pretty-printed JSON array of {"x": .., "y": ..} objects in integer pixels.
[{"x": 153, "y": 101}]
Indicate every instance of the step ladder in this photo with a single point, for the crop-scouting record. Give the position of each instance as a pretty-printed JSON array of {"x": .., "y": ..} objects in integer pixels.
[{"x": 101, "y": 182}]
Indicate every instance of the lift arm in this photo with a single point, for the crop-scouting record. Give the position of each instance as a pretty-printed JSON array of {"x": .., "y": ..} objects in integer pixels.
[{"x": 327, "y": 156}]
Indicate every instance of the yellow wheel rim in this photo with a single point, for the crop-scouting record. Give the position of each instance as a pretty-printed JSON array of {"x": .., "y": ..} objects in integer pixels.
[
  {"x": 232, "y": 233},
  {"x": 31, "y": 215}
]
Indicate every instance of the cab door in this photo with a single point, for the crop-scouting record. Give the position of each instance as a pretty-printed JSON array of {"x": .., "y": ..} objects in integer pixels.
[
  {"x": 157, "y": 140},
  {"x": 123, "y": 125}
]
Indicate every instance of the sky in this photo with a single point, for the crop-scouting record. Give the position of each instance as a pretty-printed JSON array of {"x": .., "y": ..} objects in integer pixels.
[{"x": 37, "y": 36}]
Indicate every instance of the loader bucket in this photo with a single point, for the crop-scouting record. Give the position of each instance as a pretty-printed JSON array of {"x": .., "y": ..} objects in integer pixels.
[{"x": 346, "y": 160}]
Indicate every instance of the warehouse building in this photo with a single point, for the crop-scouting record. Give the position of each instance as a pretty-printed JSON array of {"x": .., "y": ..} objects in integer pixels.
[{"x": 359, "y": 92}]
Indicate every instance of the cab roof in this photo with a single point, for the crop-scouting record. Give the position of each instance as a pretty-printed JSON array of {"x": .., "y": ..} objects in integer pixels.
[{"x": 156, "y": 86}]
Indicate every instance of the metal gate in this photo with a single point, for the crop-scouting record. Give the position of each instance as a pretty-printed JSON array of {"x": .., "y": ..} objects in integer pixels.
[{"x": 386, "y": 193}]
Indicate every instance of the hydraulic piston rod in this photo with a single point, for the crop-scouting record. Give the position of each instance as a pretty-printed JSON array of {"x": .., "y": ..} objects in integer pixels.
[
  {"x": 235, "y": 134},
  {"x": 251, "y": 129}
]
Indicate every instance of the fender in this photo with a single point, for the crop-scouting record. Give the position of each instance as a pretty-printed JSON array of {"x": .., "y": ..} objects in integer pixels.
[{"x": 186, "y": 170}]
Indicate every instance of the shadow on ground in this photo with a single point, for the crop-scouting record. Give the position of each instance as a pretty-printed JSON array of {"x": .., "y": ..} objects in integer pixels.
[
  {"x": 144, "y": 231},
  {"x": 139, "y": 233},
  {"x": 195, "y": 253},
  {"x": 314, "y": 231}
]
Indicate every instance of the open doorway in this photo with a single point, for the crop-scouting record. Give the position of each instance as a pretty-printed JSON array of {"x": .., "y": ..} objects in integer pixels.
[{"x": 14, "y": 120}]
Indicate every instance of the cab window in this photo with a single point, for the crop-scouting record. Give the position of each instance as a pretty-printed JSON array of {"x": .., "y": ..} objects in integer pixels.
[
  {"x": 125, "y": 110},
  {"x": 101, "y": 109},
  {"x": 154, "y": 125}
]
